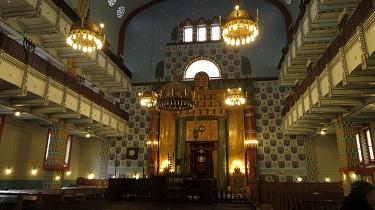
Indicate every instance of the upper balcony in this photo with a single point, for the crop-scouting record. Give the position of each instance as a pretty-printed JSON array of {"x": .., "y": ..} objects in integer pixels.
[
  {"x": 316, "y": 27},
  {"x": 38, "y": 89},
  {"x": 49, "y": 22},
  {"x": 341, "y": 82}
]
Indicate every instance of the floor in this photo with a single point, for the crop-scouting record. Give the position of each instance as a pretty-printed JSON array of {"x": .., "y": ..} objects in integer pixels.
[{"x": 145, "y": 205}]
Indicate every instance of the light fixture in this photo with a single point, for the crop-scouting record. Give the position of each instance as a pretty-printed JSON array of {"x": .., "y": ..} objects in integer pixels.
[
  {"x": 327, "y": 179},
  {"x": 148, "y": 99},
  {"x": 91, "y": 176},
  {"x": 88, "y": 135},
  {"x": 251, "y": 143},
  {"x": 299, "y": 179},
  {"x": 8, "y": 171},
  {"x": 322, "y": 132},
  {"x": 120, "y": 11},
  {"x": 101, "y": 25},
  {"x": 175, "y": 96},
  {"x": 17, "y": 113},
  {"x": 152, "y": 144},
  {"x": 34, "y": 171},
  {"x": 57, "y": 178},
  {"x": 84, "y": 35},
  {"x": 235, "y": 97},
  {"x": 111, "y": 3},
  {"x": 68, "y": 173},
  {"x": 240, "y": 27}
]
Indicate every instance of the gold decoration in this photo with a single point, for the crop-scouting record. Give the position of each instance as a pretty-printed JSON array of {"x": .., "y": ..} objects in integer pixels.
[
  {"x": 235, "y": 97},
  {"x": 240, "y": 28}
]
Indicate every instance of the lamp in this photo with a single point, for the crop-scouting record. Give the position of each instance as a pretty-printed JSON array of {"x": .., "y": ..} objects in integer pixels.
[
  {"x": 148, "y": 99},
  {"x": 240, "y": 27},
  {"x": 235, "y": 97},
  {"x": 175, "y": 96},
  {"x": 84, "y": 35}
]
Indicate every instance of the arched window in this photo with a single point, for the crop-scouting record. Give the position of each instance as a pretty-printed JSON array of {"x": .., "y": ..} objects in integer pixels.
[
  {"x": 202, "y": 33},
  {"x": 202, "y": 65}
]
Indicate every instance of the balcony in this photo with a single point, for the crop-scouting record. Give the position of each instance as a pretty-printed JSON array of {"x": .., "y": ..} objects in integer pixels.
[
  {"x": 39, "y": 89},
  {"x": 315, "y": 29},
  {"x": 341, "y": 83},
  {"x": 49, "y": 22}
]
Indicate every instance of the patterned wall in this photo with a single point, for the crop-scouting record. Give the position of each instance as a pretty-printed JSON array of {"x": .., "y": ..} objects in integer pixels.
[
  {"x": 179, "y": 57},
  {"x": 139, "y": 123},
  {"x": 281, "y": 157}
]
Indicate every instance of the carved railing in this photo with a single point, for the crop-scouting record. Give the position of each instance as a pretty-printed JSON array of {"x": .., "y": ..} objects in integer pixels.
[
  {"x": 359, "y": 16},
  {"x": 16, "y": 50}
]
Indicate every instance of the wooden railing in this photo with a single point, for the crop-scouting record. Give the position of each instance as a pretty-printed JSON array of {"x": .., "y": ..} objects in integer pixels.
[
  {"x": 301, "y": 196},
  {"x": 365, "y": 8},
  {"x": 16, "y": 50}
]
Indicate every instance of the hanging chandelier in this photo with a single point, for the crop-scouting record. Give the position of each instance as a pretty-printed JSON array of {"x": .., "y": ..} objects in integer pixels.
[
  {"x": 86, "y": 36},
  {"x": 235, "y": 97},
  {"x": 148, "y": 99},
  {"x": 175, "y": 96},
  {"x": 240, "y": 27}
]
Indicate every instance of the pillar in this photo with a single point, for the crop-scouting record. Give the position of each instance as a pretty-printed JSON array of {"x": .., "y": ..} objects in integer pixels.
[
  {"x": 181, "y": 148},
  {"x": 222, "y": 153},
  {"x": 54, "y": 164},
  {"x": 348, "y": 154},
  {"x": 251, "y": 147},
  {"x": 153, "y": 144},
  {"x": 104, "y": 152}
]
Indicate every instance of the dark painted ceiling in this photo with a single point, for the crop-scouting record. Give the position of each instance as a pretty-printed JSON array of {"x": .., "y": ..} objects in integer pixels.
[{"x": 149, "y": 31}]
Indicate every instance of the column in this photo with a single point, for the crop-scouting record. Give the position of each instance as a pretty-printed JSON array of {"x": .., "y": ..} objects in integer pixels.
[
  {"x": 251, "y": 147},
  {"x": 54, "y": 164},
  {"x": 104, "y": 152},
  {"x": 222, "y": 153},
  {"x": 348, "y": 154},
  {"x": 180, "y": 150},
  {"x": 153, "y": 144}
]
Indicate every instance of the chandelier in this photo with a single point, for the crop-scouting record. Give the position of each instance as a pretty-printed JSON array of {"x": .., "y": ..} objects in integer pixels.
[
  {"x": 240, "y": 27},
  {"x": 235, "y": 97},
  {"x": 148, "y": 99},
  {"x": 175, "y": 96},
  {"x": 86, "y": 36}
]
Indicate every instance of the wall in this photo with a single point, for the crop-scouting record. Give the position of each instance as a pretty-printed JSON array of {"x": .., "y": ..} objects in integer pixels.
[
  {"x": 281, "y": 157},
  {"x": 22, "y": 147},
  {"x": 327, "y": 157}
]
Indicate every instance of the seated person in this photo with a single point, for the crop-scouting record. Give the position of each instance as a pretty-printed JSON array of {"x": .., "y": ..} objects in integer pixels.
[{"x": 361, "y": 197}]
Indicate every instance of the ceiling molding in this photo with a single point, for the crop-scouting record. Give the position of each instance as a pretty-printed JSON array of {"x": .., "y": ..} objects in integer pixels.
[{"x": 121, "y": 43}]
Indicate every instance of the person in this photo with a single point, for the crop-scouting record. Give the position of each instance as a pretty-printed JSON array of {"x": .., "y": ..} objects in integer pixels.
[{"x": 361, "y": 197}]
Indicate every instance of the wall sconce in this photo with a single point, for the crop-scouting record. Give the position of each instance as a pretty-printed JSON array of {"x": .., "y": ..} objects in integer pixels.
[
  {"x": 299, "y": 179},
  {"x": 322, "y": 132},
  {"x": 17, "y": 113},
  {"x": 8, "y": 171},
  {"x": 152, "y": 144},
  {"x": 327, "y": 179},
  {"x": 34, "y": 171},
  {"x": 68, "y": 173},
  {"x": 237, "y": 167},
  {"x": 57, "y": 178},
  {"x": 91, "y": 176},
  {"x": 251, "y": 143}
]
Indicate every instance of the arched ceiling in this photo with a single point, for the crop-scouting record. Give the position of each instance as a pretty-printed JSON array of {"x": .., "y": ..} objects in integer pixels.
[{"x": 148, "y": 28}]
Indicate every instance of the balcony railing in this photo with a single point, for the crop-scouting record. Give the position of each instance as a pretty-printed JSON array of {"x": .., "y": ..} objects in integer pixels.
[
  {"x": 359, "y": 16},
  {"x": 17, "y": 51}
]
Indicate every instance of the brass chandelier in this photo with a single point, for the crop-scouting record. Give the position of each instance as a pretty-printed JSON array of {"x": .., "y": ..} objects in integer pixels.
[
  {"x": 148, "y": 99},
  {"x": 235, "y": 97},
  {"x": 240, "y": 27},
  {"x": 173, "y": 96},
  {"x": 84, "y": 35}
]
